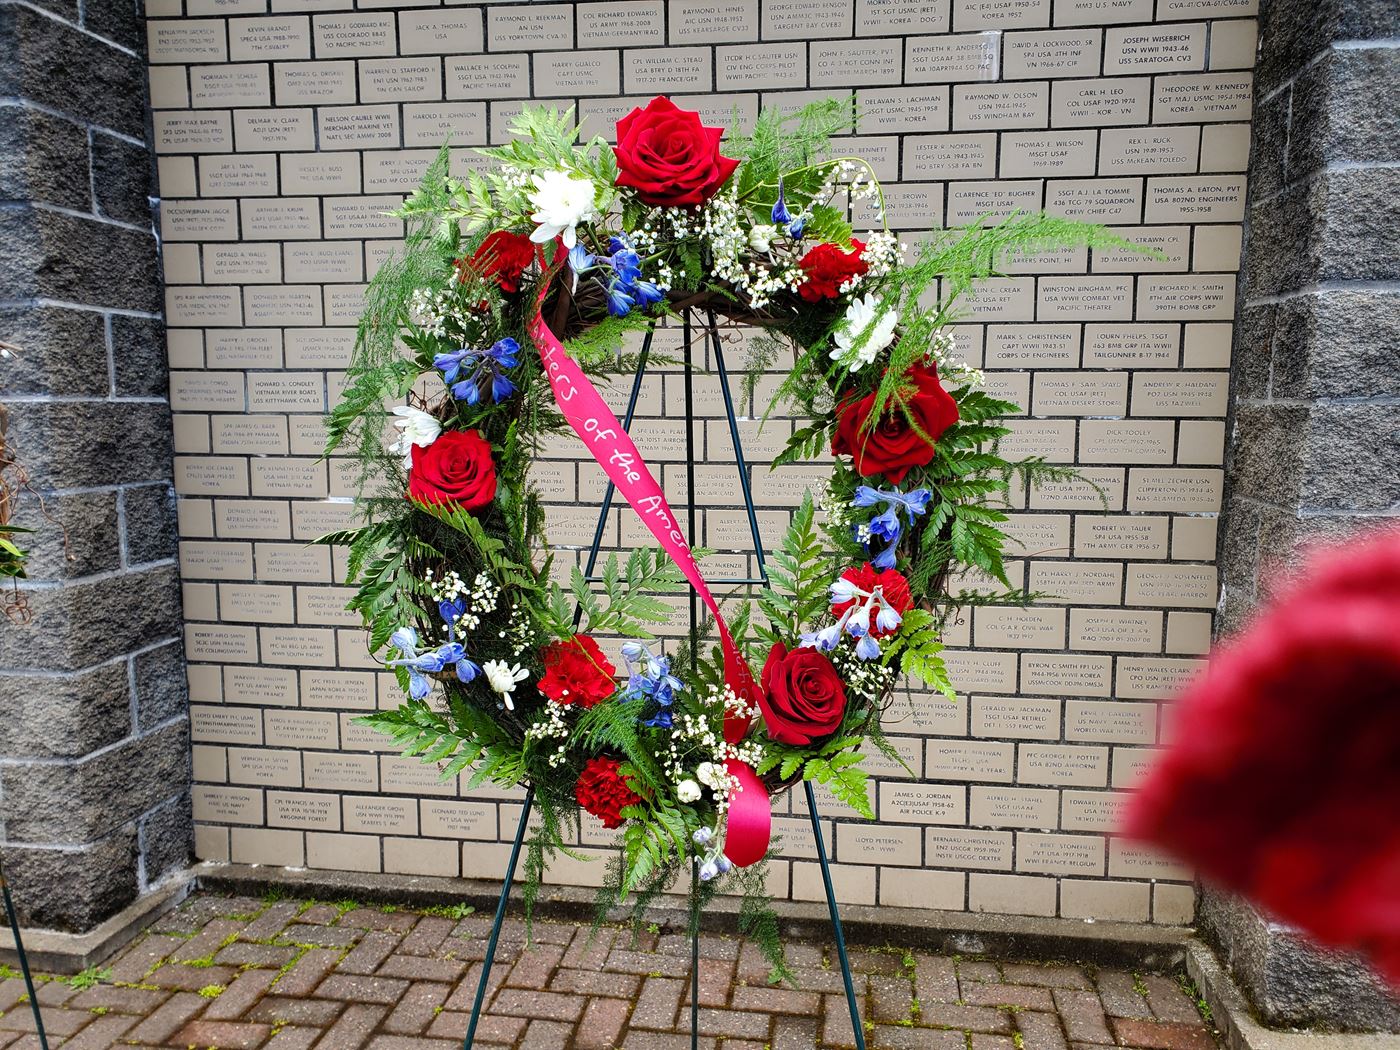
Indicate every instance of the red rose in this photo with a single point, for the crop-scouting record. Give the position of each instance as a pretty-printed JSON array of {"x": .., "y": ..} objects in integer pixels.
[
  {"x": 803, "y": 698},
  {"x": 892, "y": 445},
  {"x": 603, "y": 791},
  {"x": 456, "y": 468},
  {"x": 577, "y": 672},
  {"x": 502, "y": 257},
  {"x": 669, "y": 157},
  {"x": 828, "y": 267},
  {"x": 1284, "y": 772},
  {"x": 892, "y": 586}
]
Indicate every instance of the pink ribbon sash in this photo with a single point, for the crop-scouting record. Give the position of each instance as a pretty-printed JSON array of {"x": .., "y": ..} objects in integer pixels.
[{"x": 750, "y": 816}]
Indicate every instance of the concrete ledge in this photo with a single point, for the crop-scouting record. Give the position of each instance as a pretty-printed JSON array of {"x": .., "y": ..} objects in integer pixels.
[
  {"x": 54, "y": 951},
  {"x": 1003, "y": 936},
  {"x": 1236, "y": 1023}
]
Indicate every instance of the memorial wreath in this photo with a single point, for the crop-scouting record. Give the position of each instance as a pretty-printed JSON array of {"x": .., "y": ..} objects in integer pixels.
[{"x": 514, "y": 285}]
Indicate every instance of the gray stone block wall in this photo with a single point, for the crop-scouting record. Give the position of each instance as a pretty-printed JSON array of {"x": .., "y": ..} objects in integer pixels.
[
  {"x": 94, "y": 728},
  {"x": 1315, "y": 428}
]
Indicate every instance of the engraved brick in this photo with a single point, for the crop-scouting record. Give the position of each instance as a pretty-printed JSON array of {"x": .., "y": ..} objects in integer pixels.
[
  {"x": 216, "y": 723},
  {"x": 969, "y": 849},
  {"x": 1068, "y": 675},
  {"x": 354, "y": 35},
  {"x": 229, "y": 85},
  {"x": 1202, "y": 97},
  {"x": 1059, "y": 854},
  {"x": 304, "y": 83},
  {"x": 922, "y": 803},
  {"x": 1203, "y": 297},
  {"x": 949, "y": 156},
  {"x": 872, "y": 844},
  {"x": 186, "y": 40},
  {"x": 949, "y": 59},
  {"x": 1095, "y": 200},
  {"x": 192, "y": 131},
  {"x": 1053, "y": 53},
  {"x": 578, "y": 73},
  {"x": 856, "y": 63},
  {"x": 227, "y": 805},
  {"x": 1021, "y": 718},
  {"x": 1000, "y": 14},
  {"x": 759, "y": 66},
  {"x": 1056, "y": 764},
  {"x": 1013, "y": 807},
  {"x": 1097, "y": 12},
  {"x": 284, "y": 37},
  {"x": 274, "y": 129},
  {"x": 1039, "y": 153},
  {"x": 1018, "y": 105},
  {"x": 1099, "y": 103},
  {"x": 535, "y": 27},
  {"x": 1126, "y": 441},
  {"x": 1198, "y": 198},
  {"x": 712, "y": 21},
  {"x": 1155, "y": 49},
  {"x": 625, "y": 23},
  {"x": 807, "y": 19}
]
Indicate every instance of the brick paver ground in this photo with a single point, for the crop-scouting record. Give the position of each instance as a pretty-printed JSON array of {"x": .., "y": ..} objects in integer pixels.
[{"x": 251, "y": 974}]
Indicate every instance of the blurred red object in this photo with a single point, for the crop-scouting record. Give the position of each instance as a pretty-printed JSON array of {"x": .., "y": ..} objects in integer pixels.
[{"x": 1283, "y": 780}]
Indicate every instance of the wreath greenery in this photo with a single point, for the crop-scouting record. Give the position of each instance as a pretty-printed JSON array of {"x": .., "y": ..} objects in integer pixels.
[{"x": 504, "y": 675}]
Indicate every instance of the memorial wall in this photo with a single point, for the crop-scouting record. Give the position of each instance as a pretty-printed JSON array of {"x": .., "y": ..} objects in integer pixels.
[{"x": 285, "y": 134}]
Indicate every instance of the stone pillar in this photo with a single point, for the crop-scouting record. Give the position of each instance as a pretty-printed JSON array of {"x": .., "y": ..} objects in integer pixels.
[
  {"x": 94, "y": 728},
  {"x": 1316, "y": 422}
]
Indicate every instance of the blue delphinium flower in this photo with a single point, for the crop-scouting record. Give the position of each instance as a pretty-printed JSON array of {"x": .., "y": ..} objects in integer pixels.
[
  {"x": 420, "y": 665},
  {"x": 886, "y": 526},
  {"x": 793, "y": 224},
  {"x": 580, "y": 262},
  {"x": 650, "y": 677},
  {"x": 480, "y": 365},
  {"x": 861, "y": 607},
  {"x": 781, "y": 216},
  {"x": 626, "y": 287}
]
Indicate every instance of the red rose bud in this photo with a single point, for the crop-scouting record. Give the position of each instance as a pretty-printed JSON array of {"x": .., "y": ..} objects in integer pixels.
[
  {"x": 1283, "y": 775},
  {"x": 669, "y": 157},
  {"x": 892, "y": 446},
  {"x": 577, "y": 672},
  {"x": 455, "y": 469},
  {"x": 503, "y": 257},
  {"x": 828, "y": 267},
  {"x": 803, "y": 697},
  {"x": 602, "y": 790}
]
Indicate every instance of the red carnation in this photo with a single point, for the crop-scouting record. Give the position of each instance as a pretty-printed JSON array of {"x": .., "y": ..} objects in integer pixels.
[
  {"x": 502, "y": 257},
  {"x": 803, "y": 697},
  {"x": 892, "y": 587},
  {"x": 456, "y": 468},
  {"x": 893, "y": 445},
  {"x": 828, "y": 267},
  {"x": 577, "y": 672},
  {"x": 669, "y": 157},
  {"x": 1284, "y": 777},
  {"x": 602, "y": 790}
]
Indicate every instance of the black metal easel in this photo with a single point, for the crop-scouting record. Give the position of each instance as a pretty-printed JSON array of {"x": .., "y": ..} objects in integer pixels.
[
  {"x": 711, "y": 329},
  {"x": 13, "y": 918}
]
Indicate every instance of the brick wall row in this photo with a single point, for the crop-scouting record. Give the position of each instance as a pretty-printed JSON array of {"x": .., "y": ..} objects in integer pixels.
[{"x": 284, "y": 134}]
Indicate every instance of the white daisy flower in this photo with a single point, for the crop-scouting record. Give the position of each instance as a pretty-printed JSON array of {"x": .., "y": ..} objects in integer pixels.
[
  {"x": 863, "y": 316},
  {"x": 416, "y": 427},
  {"x": 563, "y": 201},
  {"x": 502, "y": 677}
]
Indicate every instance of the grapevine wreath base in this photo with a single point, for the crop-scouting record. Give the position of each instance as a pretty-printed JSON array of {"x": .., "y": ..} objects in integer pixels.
[{"x": 518, "y": 283}]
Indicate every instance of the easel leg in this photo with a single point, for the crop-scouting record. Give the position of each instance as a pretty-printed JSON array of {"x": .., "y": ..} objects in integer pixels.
[
  {"x": 840, "y": 937},
  {"x": 24, "y": 963},
  {"x": 496, "y": 925},
  {"x": 694, "y": 958}
]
